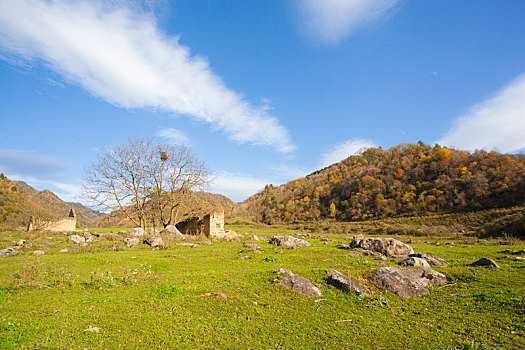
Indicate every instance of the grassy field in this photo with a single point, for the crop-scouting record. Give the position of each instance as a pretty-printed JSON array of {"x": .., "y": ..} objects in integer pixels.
[{"x": 106, "y": 297}]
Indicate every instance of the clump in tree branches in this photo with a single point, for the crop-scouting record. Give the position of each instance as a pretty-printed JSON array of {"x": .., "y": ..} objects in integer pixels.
[{"x": 147, "y": 181}]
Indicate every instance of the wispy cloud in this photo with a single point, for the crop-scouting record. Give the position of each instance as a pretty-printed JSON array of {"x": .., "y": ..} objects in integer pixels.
[
  {"x": 344, "y": 150},
  {"x": 237, "y": 187},
  {"x": 119, "y": 54},
  {"x": 38, "y": 171},
  {"x": 330, "y": 21},
  {"x": 497, "y": 123},
  {"x": 174, "y": 136}
]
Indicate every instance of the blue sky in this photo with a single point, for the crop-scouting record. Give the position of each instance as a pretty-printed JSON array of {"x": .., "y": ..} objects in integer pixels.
[{"x": 262, "y": 91}]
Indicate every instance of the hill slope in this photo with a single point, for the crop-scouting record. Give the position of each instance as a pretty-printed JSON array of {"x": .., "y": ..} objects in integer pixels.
[
  {"x": 201, "y": 203},
  {"x": 407, "y": 179},
  {"x": 19, "y": 201}
]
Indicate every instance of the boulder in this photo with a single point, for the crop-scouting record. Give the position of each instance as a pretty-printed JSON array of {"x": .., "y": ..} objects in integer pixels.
[
  {"x": 289, "y": 241},
  {"x": 407, "y": 282},
  {"x": 8, "y": 252},
  {"x": 131, "y": 242},
  {"x": 485, "y": 262},
  {"x": 39, "y": 252},
  {"x": 191, "y": 245},
  {"x": 63, "y": 250},
  {"x": 46, "y": 244},
  {"x": 76, "y": 239},
  {"x": 344, "y": 282},
  {"x": 414, "y": 261},
  {"x": 206, "y": 243},
  {"x": 172, "y": 231},
  {"x": 22, "y": 242},
  {"x": 297, "y": 283},
  {"x": 432, "y": 260},
  {"x": 256, "y": 238},
  {"x": 386, "y": 246},
  {"x": 136, "y": 232},
  {"x": 252, "y": 246},
  {"x": 154, "y": 241}
]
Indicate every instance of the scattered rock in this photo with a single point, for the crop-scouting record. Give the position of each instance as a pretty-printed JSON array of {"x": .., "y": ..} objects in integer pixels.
[
  {"x": 407, "y": 282},
  {"x": 76, "y": 239},
  {"x": 354, "y": 252},
  {"x": 244, "y": 257},
  {"x": 324, "y": 239},
  {"x": 39, "y": 252},
  {"x": 381, "y": 258},
  {"x": 154, "y": 241},
  {"x": 46, "y": 244},
  {"x": 191, "y": 245},
  {"x": 507, "y": 251},
  {"x": 297, "y": 283},
  {"x": 342, "y": 246},
  {"x": 173, "y": 231},
  {"x": 131, "y": 242},
  {"x": 485, "y": 262},
  {"x": 414, "y": 261},
  {"x": 519, "y": 258},
  {"x": 252, "y": 246},
  {"x": 206, "y": 243},
  {"x": 218, "y": 295},
  {"x": 432, "y": 260},
  {"x": 289, "y": 241},
  {"x": 110, "y": 236},
  {"x": 92, "y": 329},
  {"x": 136, "y": 232},
  {"x": 344, "y": 282},
  {"x": 459, "y": 295},
  {"x": 467, "y": 246},
  {"x": 8, "y": 252},
  {"x": 256, "y": 238},
  {"x": 63, "y": 250},
  {"x": 386, "y": 246},
  {"x": 21, "y": 242}
]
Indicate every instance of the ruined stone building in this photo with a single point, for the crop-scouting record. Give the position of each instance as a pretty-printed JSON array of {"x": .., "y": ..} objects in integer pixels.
[
  {"x": 212, "y": 225},
  {"x": 66, "y": 224}
]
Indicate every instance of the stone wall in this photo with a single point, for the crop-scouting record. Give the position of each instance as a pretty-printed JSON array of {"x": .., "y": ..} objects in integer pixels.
[{"x": 213, "y": 225}]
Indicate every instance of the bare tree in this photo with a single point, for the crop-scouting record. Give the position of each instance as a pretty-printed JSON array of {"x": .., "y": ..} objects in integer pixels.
[
  {"x": 173, "y": 176},
  {"x": 145, "y": 180}
]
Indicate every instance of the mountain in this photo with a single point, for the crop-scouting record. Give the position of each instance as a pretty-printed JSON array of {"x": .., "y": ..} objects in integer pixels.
[
  {"x": 408, "y": 179},
  {"x": 19, "y": 201},
  {"x": 200, "y": 203}
]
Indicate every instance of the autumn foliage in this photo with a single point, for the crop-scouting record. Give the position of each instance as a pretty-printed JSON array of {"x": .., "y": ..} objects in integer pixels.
[{"x": 408, "y": 179}]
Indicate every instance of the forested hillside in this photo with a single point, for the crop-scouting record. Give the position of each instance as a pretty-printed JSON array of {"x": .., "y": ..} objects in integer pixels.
[
  {"x": 19, "y": 201},
  {"x": 408, "y": 179}
]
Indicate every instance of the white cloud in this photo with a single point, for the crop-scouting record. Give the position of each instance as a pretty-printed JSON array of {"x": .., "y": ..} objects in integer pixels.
[
  {"x": 174, "y": 136},
  {"x": 344, "y": 150},
  {"x": 330, "y": 21},
  {"x": 121, "y": 56},
  {"x": 237, "y": 187},
  {"x": 497, "y": 123}
]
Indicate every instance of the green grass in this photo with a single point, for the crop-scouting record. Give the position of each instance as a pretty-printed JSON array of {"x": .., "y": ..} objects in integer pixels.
[{"x": 161, "y": 299}]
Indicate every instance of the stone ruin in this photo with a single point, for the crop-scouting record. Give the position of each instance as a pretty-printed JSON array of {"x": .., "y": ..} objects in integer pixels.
[
  {"x": 212, "y": 225},
  {"x": 66, "y": 224}
]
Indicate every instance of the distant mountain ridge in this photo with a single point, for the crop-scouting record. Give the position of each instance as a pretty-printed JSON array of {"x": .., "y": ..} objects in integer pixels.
[
  {"x": 19, "y": 201},
  {"x": 408, "y": 179}
]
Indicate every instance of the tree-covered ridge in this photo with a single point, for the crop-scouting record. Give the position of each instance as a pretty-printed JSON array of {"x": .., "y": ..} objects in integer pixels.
[
  {"x": 404, "y": 180},
  {"x": 19, "y": 201}
]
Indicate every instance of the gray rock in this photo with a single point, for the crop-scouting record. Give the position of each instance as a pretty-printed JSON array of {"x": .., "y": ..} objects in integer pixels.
[
  {"x": 256, "y": 238},
  {"x": 154, "y": 241},
  {"x": 252, "y": 246},
  {"x": 22, "y": 242},
  {"x": 289, "y": 241},
  {"x": 381, "y": 258},
  {"x": 8, "y": 252},
  {"x": 344, "y": 282},
  {"x": 63, "y": 250},
  {"x": 518, "y": 258},
  {"x": 297, "y": 283},
  {"x": 191, "y": 245},
  {"x": 432, "y": 260},
  {"x": 206, "y": 243},
  {"x": 136, "y": 232},
  {"x": 76, "y": 239},
  {"x": 131, "y": 242},
  {"x": 414, "y": 261},
  {"x": 173, "y": 231},
  {"x": 39, "y": 252},
  {"x": 46, "y": 244},
  {"x": 485, "y": 262},
  {"x": 407, "y": 282},
  {"x": 385, "y": 246}
]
